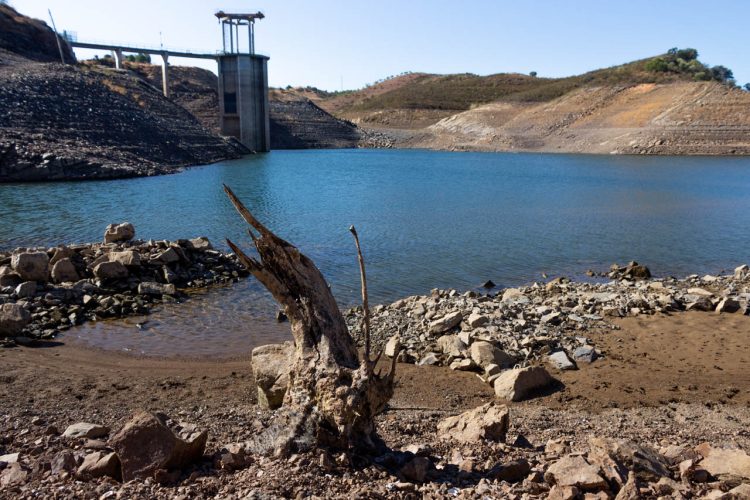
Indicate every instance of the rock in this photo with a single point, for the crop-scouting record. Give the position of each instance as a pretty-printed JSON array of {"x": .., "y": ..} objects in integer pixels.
[
  {"x": 476, "y": 320},
  {"x": 429, "y": 359},
  {"x": 701, "y": 292},
  {"x": 153, "y": 288},
  {"x": 489, "y": 421},
  {"x": 485, "y": 354},
  {"x": 13, "y": 319},
  {"x": 60, "y": 253},
  {"x": 563, "y": 493},
  {"x": 64, "y": 461},
  {"x": 561, "y": 361},
  {"x": 416, "y": 469},
  {"x": 513, "y": 471},
  {"x": 8, "y": 277},
  {"x": 168, "y": 256},
  {"x": 741, "y": 271},
  {"x": 145, "y": 444},
  {"x": 616, "y": 457},
  {"x": 271, "y": 365},
  {"x": 119, "y": 232},
  {"x": 13, "y": 475},
  {"x": 26, "y": 290},
  {"x": 110, "y": 271},
  {"x": 724, "y": 464},
  {"x": 637, "y": 271},
  {"x": 575, "y": 471},
  {"x": 86, "y": 430},
  {"x": 63, "y": 271},
  {"x": 553, "y": 318},
  {"x": 392, "y": 346},
  {"x": 741, "y": 492},
  {"x": 445, "y": 323},
  {"x": 452, "y": 346},
  {"x": 630, "y": 490},
  {"x": 126, "y": 258},
  {"x": 200, "y": 243},
  {"x": 99, "y": 464},
  {"x": 489, "y": 284},
  {"x": 728, "y": 305},
  {"x": 31, "y": 266},
  {"x": 519, "y": 383},
  {"x": 585, "y": 354},
  {"x": 511, "y": 294},
  {"x": 421, "y": 449},
  {"x": 463, "y": 364},
  {"x": 700, "y": 304}
]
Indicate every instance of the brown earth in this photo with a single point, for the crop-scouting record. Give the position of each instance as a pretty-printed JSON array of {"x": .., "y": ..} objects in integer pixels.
[{"x": 664, "y": 380}]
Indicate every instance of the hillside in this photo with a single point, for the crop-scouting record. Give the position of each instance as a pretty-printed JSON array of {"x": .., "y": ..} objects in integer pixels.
[
  {"x": 83, "y": 122},
  {"x": 29, "y": 38},
  {"x": 675, "y": 118},
  {"x": 661, "y": 105}
]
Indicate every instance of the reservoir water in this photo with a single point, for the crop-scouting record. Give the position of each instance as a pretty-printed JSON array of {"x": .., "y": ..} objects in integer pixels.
[{"x": 426, "y": 219}]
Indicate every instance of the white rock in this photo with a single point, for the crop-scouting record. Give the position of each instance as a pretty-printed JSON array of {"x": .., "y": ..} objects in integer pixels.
[{"x": 446, "y": 322}]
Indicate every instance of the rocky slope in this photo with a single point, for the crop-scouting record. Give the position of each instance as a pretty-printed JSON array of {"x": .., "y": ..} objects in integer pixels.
[
  {"x": 84, "y": 122},
  {"x": 29, "y": 38},
  {"x": 296, "y": 122},
  {"x": 675, "y": 118},
  {"x": 624, "y": 109}
]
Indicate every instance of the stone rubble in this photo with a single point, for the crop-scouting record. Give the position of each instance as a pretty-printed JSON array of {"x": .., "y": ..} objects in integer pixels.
[
  {"x": 45, "y": 291},
  {"x": 538, "y": 324}
]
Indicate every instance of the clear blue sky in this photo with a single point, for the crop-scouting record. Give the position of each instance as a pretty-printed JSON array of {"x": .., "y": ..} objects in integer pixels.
[{"x": 321, "y": 42}]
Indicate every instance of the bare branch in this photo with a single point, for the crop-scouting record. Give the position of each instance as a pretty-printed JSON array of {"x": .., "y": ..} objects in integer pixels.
[{"x": 365, "y": 304}]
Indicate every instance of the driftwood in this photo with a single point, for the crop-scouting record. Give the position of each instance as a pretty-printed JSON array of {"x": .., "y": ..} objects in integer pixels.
[{"x": 333, "y": 397}]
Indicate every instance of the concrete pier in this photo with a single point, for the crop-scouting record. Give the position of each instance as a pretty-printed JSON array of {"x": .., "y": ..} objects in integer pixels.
[
  {"x": 165, "y": 73},
  {"x": 243, "y": 99}
]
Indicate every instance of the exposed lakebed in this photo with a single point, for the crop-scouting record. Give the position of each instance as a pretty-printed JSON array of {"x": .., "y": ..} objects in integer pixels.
[{"x": 426, "y": 219}]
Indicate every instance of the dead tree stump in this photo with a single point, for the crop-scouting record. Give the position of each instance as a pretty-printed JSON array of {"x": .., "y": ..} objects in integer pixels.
[{"x": 333, "y": 396}]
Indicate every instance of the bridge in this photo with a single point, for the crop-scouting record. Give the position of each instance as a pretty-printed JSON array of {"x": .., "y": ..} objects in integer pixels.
[
  {"x": 118, "y": 51},
  {"x": 243, "y": 77}
]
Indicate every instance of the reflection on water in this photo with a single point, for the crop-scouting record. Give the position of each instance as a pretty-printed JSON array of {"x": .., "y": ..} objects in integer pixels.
[
  {"x": 214, "y": 324},
  {"x": 426, "y": 219}
]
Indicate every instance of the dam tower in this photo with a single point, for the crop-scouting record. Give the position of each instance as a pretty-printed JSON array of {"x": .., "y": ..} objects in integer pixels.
[{"x": 243, "y": 83}]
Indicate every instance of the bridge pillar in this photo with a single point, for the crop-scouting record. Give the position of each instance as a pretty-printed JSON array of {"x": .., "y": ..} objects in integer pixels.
[
  {"x": 165, "y": 73},
  {"x": 117, "y": 54}
]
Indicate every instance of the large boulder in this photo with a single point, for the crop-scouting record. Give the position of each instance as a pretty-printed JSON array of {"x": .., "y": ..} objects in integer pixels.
[
  {"x": 271, "y": 365},
  {"x": 110, "y": 271},
  {"x": 126, "y": 257},
  {"x": 575, "y": 471},
  {"x": 146, "y": 444},
  {"x": 519, "y": 383},
  {"x": 119, "y": 232},
  {"x": 485, "y": 353},
  {"x": 445, "y": 323},
  {"x": 64, "y": 271},
  {"x": 26, "y": 290},
  {"x": 31, "y": 266},
  {"x": 725, "y": 464},
  {"x": 13, "y": 319},
  {"x": 489, "y": 421},
  {"x": 452, "y": 346}
]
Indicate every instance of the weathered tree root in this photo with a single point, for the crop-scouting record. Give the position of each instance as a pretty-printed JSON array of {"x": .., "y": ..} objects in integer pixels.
[{"x": 333, "y": 397}]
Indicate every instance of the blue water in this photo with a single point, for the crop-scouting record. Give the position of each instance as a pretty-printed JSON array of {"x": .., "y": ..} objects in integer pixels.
[{"x": 426, "y": 219}]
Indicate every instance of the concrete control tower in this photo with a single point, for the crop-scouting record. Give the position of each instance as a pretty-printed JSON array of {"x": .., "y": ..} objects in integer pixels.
[{"x": 243, "y": 83}]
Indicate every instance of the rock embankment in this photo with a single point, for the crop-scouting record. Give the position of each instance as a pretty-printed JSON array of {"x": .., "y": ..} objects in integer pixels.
[
  {"x": 500, "y": 336},
  {"x": 44, "y": 291}
]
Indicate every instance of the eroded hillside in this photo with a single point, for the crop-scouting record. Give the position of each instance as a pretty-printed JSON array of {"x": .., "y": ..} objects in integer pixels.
[{"x": 676, "y": 118}]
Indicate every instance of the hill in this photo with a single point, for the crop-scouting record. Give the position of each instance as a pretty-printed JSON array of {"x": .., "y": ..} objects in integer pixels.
[
  {"x": 668, "y": 104},
  {"x": 82, "y": 122}
]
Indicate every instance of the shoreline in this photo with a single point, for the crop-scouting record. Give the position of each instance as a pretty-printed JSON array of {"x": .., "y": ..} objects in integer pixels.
[{"x": 115, "y": 172}]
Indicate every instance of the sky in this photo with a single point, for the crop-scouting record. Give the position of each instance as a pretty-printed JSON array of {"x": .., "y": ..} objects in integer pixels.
[{"x": 335, "y": 44}]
